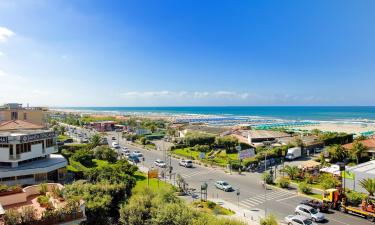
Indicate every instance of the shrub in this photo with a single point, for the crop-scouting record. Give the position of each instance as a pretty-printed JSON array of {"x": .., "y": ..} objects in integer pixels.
[
  {"x": 284, "y": 182},
  {"x": 16, "y": 188},
  {"x": 328, "y": 181},
  {"x": 3, "y": 187},
  {"x": 28, "y": 214},
  {"x": 42, "y": 188},
  {"x": 304, "y": 188},
  {"x": 269, "y": 220},
  {"x": 211, "y": 205},
  {"x": 12, "y": 217},
  {"x": 267, "y": 177},
  {"x": 43, "y": 200},
  {"x": 309, "y": 178},
  {"x": 354, "y": 197}
]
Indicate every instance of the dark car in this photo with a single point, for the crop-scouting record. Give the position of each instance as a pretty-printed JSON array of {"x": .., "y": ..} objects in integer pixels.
[
  {"x": 133, "y": 158},
  {"x": 320, "y": 206},
  {"x": 69, "y": 140}
]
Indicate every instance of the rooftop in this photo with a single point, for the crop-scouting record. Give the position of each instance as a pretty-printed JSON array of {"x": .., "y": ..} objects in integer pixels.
[
  {"x": 369, "y": 143},
  {"x": 266, "y": 134},
  {"x": 18, "y": 125},
  {"x": 53, "y": 160},
  {"x": 367, "y": 167}
]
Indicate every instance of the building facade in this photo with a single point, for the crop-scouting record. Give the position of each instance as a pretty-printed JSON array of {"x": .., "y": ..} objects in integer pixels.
[
  {"x": 15, "y": 111},
  {"x": 27, "y": 157}
]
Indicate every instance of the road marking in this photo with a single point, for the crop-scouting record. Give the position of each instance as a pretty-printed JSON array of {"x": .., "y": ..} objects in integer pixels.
[{"x": 293, "y": 196}]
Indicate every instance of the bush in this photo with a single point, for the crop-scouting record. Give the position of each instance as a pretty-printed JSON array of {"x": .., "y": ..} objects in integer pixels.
[
  {"x": 43, "y": 200},
  {"x": 269, "y": 220},
  {"x": 309, "y": 178},
  {"x": 28, "y": 214},
  {"x": 328, "y": 181},
  {"x": 12, "y": 217},
  {"x": 211, "y": 205},
  {"x": 42, "y": 188},
  {"x": 354, "y": 197},
  {"x": 284, "y": 182},
  {"x": 304, "y": 188},
  {"x": 16, "y": 188},
  {"x": 3, "y": 187},
  {"x": 267, "y": 177}
]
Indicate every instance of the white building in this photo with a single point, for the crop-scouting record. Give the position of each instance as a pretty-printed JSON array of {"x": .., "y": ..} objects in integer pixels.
[{"x": 26, "y": 157}]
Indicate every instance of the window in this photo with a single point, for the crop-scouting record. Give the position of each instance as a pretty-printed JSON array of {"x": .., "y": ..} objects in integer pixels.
[
  {"x": 14, "y": 116},
  {"x": 297, "y": 221},
  {"x": 4, "y": 146},
  {"x": 24, "y": 116},
  {"x": 31, "y": 176},
  {"x": 41, "y": 177},
  {"x": 8, "y": 178},
  {"x": 49, "y": 143},
  {"x": 11, "y": 150},
  {"x": 22, "y": 148}
]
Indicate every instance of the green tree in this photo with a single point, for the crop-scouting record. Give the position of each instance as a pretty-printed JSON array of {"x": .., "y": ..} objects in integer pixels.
[
  {"x": 105, "y": 153},
  {"x": 337, "y": 153},
  {"x": 298, "y": 142},
  {"x": 267, "y": 177},
  {"x": 292, "y": 171},
  {"x": 62, "y": 130},
  {"x": 356, "y": 150},
  {"x": 228, "y": 142},
  {"x": 369, "y": 185},
  {"x": 316, "y": 132},
  {"x": 95, "y": 141},
  {"x": 327, "y": 181}
]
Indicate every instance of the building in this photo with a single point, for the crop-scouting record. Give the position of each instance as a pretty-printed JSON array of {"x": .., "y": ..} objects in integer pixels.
[
  {"x": 15, "y": 111},
  {"x": 103, "y": 126},
  {"x": 260, "y": 136},
  {"x": 27, "y": 149},
  {"x": 370, "y": 147},
  {"x": 357, "y": 173}
]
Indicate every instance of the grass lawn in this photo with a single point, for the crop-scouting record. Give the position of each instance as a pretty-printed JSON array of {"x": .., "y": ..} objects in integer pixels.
[
  {"x": 211, "y": 208},
  {"x": 186, "y": 152},
  {"x": 100, "y": 163},
  {"x": 142, "y": 182}
]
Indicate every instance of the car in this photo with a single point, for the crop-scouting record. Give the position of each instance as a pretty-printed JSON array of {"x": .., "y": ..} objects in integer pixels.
[
  {"x": 185, "y": 163},
  {"x": 298, "y": 220},
  {"x": 115, "y": 145},
  {"x": 320, "y": 206},
  {"x": 309, "y": 212},
  {"x": 69, "y": 140},
  {"x": 133, "y": 159},
  {"x": 138, "y": 153},
  {"x": 223, "y": 185},
  {"x": 160, "y": 163},
  {"x": 113, "y": 138}
]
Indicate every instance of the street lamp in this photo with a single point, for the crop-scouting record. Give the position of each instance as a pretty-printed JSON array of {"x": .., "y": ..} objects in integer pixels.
[{"x": 265, "y": 186}]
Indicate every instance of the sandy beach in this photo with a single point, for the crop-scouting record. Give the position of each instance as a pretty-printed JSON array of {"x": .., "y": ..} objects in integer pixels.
[{"x": 355, "y": 128}]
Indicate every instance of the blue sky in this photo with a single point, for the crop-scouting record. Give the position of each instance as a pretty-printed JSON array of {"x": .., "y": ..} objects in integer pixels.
[{"x": 167, "y": 53}]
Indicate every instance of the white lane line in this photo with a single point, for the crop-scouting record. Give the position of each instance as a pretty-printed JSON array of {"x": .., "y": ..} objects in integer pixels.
[
  {"x": 254, "y": 200},
  {"x": 247, "y": 204},
  {"x": 293, "y": 196}
]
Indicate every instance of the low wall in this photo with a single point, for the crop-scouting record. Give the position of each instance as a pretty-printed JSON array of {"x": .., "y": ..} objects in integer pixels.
[{"x": 26, "y": 192}]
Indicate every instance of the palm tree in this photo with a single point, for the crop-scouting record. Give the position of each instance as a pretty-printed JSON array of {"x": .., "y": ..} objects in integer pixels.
[
  {"x": 337, "y": 153},
  {"x": 369, "y": 185},
  {"x": 292, "y": 171},
  {"x": 357, "y": 149},
  {"x": 95, "y": 140}
]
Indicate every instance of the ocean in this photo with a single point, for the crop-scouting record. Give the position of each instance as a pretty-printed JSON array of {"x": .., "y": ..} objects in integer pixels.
[{"x": 313, "y": 113}]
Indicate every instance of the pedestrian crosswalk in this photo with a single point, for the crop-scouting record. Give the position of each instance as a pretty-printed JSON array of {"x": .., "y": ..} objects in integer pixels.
[
  {"x": 192, "y": 172},
  {"x": 277, "y": 195}
]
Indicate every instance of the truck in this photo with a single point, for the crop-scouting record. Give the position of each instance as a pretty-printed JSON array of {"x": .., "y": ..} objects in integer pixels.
[
  {"x": 293, "y": 153},
  {"x": 335, "y": 199}
]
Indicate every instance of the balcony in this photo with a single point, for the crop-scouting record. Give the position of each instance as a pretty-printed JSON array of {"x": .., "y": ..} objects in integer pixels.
[{"x": 15, "y": 157}]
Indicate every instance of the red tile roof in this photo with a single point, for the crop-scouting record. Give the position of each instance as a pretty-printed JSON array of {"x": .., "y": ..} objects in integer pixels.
[
  {"x": 18, "y": 125},
  {"x": 369, "y": 143}
]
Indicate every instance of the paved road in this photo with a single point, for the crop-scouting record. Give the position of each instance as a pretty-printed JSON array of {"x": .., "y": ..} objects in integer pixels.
[{"x": 252, "y": 194}]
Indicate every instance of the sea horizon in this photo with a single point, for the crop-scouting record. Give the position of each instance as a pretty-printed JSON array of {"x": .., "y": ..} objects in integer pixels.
[{"x": 315, "y": 113}]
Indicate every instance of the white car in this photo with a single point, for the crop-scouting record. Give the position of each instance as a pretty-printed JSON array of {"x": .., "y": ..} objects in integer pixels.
[
  {"x": 138, "y": 153},
  {"x": 186, "y": 163},
  {"x": 115, "y": 145},
  {"x": 160, "y": 163},
  {"x": 223, "y": 185},
  {"x": 298, "y": 220},
  {"x": 126, "y": 152},
  {"x": 309, "y": 212}
]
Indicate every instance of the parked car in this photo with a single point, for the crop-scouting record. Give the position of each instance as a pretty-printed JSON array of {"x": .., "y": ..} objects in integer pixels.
[
  {"x": 69, "y": 140},
  {"x": 223, "y": 185},
  {"x": 309, "y": 212},
  {"x": 126, "y": 152},
  {"x": 133, "y": 158},
  {"x": 186, "y": 163},
  {"x": 160, "y": 163},
  {"x": 138, "y": 153},
  {"x": 297, "y": 220},
  {"x": 115, "y": 145},
  {"x": 113, "y": 138},
  {"x": 316, "y": 204}
]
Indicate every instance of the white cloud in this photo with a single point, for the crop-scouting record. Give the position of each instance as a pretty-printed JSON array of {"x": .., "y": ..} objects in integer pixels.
[
  {"x": 9, "y": 76},
  {"x": 186, "y": 94},
  {"x": 5, "y": 34},
  {"x": 2, "y": 54}
]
